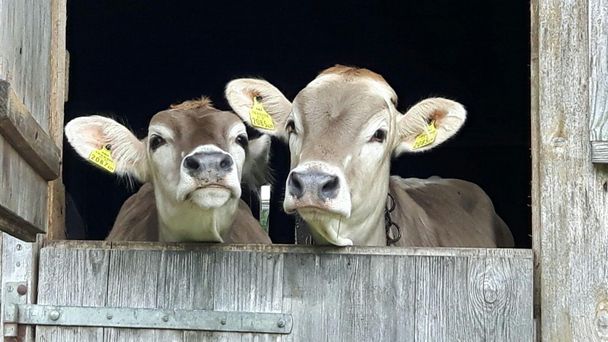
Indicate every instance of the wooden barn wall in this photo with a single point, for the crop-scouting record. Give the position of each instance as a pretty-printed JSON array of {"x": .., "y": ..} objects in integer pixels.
[
  {"x": 32, "y": 93},
  {"x": 334, "y": 294},
  {"x": 570, "y": 193}
]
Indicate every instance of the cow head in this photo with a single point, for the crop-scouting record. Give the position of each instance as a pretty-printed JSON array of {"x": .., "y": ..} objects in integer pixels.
[
  {"x": 342, "y": 129},
  {"x": 194, "y": 155}
]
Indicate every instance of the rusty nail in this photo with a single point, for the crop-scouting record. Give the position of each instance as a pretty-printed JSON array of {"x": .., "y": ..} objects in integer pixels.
[{"x": 21, "y": 289}]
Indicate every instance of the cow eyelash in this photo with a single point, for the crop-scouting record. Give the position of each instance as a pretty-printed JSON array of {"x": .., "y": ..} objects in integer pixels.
[
  {"x": 379, "y": 136},
  {"x": 242, "y": 140},
  {"x": 290, "y": 127},
  {"x": 156, "y": 141}
]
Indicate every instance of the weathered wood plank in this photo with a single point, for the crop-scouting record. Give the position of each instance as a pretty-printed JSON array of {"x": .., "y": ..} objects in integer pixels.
[
  {"x": 59, "y": 76},
  {"x": 598, "y": 86},
  {"x": 333, "y": 294},
  {"x": 26, "y": 136},
  {"x": 573, "y": 197},
  {"x": 25, "y": 47},
  {"x": 19, "y": 264},
  {"x": 72, "y": 277}
]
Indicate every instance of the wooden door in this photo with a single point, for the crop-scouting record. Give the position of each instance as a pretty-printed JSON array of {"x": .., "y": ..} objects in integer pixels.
[{"x": 32, "y": 94}]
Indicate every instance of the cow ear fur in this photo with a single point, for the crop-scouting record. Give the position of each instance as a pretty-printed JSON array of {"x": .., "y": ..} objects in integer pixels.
[
  {"x": 241, "y": 93},
  {"x": 447, "y": 116},
  {"x": 89, "y": 133}
]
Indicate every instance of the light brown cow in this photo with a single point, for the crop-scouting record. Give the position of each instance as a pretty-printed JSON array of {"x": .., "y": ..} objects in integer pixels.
[
  {"x": 342, "y": 130},
  {"x": 191, "y": 161}
]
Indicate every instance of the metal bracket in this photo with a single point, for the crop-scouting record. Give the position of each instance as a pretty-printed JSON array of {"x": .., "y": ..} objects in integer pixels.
[{"x": 16, "y": 313}]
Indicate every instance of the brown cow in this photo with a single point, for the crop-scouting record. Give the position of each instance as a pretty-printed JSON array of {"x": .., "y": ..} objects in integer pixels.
[
  {"x": 342, "y": 130},
  {"x": 191, "y": 161}
]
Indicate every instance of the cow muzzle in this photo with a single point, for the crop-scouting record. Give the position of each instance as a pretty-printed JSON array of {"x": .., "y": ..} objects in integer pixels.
[
  {"x": 317, "y": 186},
  {"x": 209, "y": 177}
]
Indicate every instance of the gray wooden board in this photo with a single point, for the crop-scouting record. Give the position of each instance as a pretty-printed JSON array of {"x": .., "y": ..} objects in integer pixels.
[
  {"x": 598, "y": 87},
  {"x": 348, "y": 294},
  {"x": 572, "y": 191},
  {"x": 25, "y": 50}
]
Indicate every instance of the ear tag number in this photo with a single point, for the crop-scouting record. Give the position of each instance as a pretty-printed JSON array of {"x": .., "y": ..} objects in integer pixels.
[
  {"x": 426, "y": 138},
  {"x": 103, "y": 158},
  {"x": 259, "y": 116}
]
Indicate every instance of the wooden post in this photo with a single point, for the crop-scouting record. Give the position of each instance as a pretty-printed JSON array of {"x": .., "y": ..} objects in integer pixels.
[
  {"x": 570, "y": 194},
  {"x": 59, "y": 76}
]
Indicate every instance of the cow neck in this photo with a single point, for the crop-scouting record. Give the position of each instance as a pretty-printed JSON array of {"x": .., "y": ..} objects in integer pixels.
[{"x": 187, "y": 222}]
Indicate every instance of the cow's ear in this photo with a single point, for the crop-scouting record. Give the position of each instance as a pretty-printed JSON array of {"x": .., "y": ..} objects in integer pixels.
[
  {"x": 429, "y": 123},
  {"x": 109, "y": 145},
  {"x": 260, "y": 104}
]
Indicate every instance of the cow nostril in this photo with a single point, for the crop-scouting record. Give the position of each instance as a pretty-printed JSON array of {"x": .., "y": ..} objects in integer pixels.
[
  {"x": 329, "y": 189},
  {"x": 226, "y": 163},
  {"x": 191, "y": 163},
  {"x": 295, "y": 186}
]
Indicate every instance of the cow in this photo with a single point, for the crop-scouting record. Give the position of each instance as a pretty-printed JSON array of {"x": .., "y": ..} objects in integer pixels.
[
  {"x": 191, "y": 164},
  {"x": 342, "y": 130}
]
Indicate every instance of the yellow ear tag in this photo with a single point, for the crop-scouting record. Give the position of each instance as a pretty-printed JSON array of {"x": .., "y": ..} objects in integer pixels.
[
  {"x": 103, "y": 158},
  {"x": 259, "y": 116},
  {"x": 426, "y": 138}
]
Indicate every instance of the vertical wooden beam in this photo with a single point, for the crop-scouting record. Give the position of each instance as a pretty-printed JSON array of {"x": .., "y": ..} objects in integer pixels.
[
  {"x": 59, "y": 66},
  {"x": 572, "y": 193},
  {"x": 598, "y": 87},
  {"x": 535, "y": 153}
]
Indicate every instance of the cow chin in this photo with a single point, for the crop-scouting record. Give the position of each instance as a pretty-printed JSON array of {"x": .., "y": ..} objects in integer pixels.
[
  {"x": 210, "y": 197},
  {"x": 325, "y": 226}
]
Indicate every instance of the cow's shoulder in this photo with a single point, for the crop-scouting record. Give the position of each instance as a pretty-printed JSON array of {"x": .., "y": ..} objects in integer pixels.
[
  {"x": 447, "y": 212},
  {"x": 137, "y": 219},
  {"x": 245, "y": 228}
]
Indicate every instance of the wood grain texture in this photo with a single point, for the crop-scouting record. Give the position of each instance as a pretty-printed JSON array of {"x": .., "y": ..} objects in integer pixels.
[
  {"x": 25, "y": 46},
  {"x": 72, "y": 277},
  {"x": 22, "y": 131},
  {"x": 333, "y": 294},
  {"x": 598, "y": 82},
  {"x": 572, "y": 191},
  {"x": 59, "y": 76},
  {"x": 19, "y": 264}
]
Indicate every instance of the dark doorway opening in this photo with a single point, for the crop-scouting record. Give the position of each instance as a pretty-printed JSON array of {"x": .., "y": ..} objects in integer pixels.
[{"x": 131, "y": 59}]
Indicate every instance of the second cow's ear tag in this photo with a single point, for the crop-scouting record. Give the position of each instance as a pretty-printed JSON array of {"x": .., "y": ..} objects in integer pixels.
[
  {"x": 427, "y": 137},
  {"x": 259, "y": 116},
  {"x": 103, "y": 158}
]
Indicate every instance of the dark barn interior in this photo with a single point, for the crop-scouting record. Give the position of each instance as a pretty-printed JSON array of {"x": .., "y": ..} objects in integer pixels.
[{"x": 132, "y": 58}]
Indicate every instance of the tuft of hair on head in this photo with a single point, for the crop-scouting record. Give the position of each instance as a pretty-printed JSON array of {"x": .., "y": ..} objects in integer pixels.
[
  {"x": 352, "y": 72},
  {"x": 202, "y": 102}
]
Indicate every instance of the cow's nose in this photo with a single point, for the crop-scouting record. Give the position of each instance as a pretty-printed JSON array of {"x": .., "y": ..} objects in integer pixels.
[
  {"x": 212, "y": 162},
  {"x": 315, "y": 183}
]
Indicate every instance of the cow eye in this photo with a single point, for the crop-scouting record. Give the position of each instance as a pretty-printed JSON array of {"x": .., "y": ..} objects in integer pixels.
[
  {"x": 379, "y": 136},
  {"x": 156, "y": 141},
  {"x": 242, "y": 140},
  {"x": 290, "y": 127}
]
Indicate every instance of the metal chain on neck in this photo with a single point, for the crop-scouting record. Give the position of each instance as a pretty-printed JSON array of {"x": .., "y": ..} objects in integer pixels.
[{"x": 393, "y": 231}]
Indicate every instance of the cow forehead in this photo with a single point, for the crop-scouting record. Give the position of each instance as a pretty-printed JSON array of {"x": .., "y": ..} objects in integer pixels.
[
  {"x": 197, "y": 126},
  {"x": 341, "y": 107}
]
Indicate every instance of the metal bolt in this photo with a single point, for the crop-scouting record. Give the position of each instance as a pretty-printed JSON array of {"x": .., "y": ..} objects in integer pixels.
[
  {"x": 281, "y": 323},
  {"x": 54, "y": 315},
  {"x": 223, "y": 321},
  {"x": 18, "y": 264},
  {"x": 165, "y": 318},
  {"x": 21, "y": 289},
  {"x": 109, "y": 316},
  {"x": 18, "y": 246}
]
